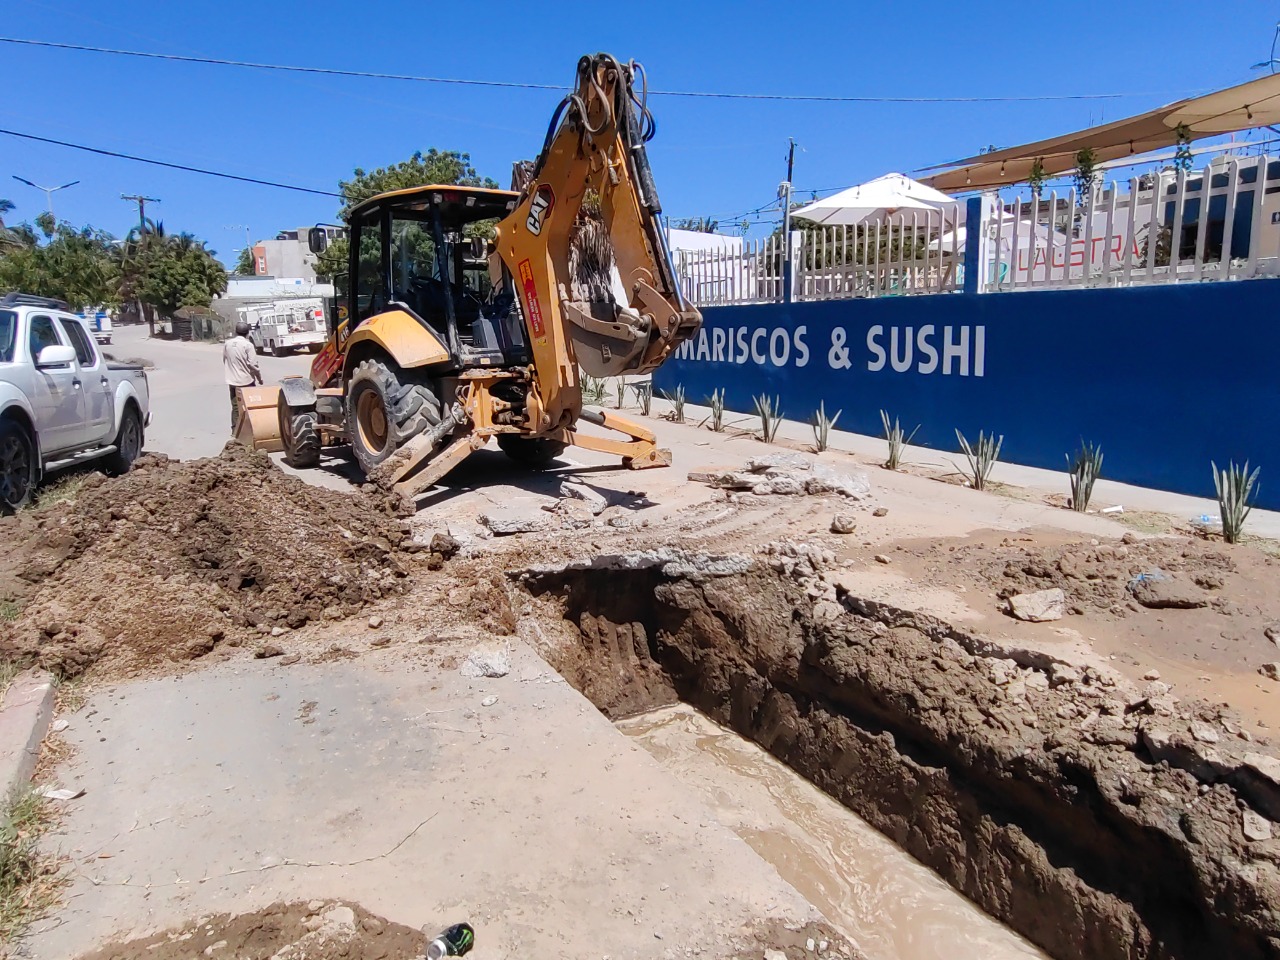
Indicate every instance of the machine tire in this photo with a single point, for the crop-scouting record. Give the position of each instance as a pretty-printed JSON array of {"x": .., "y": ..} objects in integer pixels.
[
  {"x": 535, "y": 452},
  {"x": 386, "y": 407},
  {"x": 279, "y": 351},
  {"x": 129, "y": 440},
  {"x": 298, "y": 434},
  {"x": 18, "y": 466}
]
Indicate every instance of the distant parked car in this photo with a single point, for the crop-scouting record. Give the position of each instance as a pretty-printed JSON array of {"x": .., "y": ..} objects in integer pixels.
[
  {"x": 61, "y": 401},
  {"x": 99, "y": 324}
]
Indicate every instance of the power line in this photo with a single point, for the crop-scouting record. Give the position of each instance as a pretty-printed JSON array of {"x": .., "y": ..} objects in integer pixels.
[
  {"x": 509, "y": 84},
  {"x": 171, "y": 166}
]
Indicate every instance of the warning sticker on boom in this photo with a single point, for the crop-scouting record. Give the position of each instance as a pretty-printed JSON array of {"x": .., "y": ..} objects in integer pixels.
[{"x": 531, "y": 300}]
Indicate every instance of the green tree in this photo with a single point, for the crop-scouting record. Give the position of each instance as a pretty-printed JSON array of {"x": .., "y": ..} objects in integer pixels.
[
  {"x": 696, "y": 224},
  {"x": 244, "y": 263},
  {"x": 78, "y": 266},
  {"x": 179, "y": 271},
  {"x": 434, "y": 166},
  {"x": 7, "y": 236}
]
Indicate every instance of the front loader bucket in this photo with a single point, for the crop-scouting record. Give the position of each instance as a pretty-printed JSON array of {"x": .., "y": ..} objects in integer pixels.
[{"x": 259, "y": 426}]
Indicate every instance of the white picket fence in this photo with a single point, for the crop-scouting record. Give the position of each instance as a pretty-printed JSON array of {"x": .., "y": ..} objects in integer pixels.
[
  {"x": 1164, "y": 229},
  {"x": 1116, "y": 237}
]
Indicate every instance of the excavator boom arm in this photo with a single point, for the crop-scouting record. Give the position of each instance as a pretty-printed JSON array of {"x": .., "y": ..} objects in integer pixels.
[{"x": 591, "y": 203}]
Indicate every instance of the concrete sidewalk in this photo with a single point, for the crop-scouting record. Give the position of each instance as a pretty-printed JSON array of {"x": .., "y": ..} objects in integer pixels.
[
  {"x": 872, "y": 451},
  {"x": 376, "y": 780}
]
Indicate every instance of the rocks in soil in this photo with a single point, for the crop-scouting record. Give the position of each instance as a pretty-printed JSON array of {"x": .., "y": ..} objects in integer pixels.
[
  {"x": 880, "y": 512},
  {"x": 137, "y": 566},
  {"x": 267, "y": 651},
  {"x": 1162, "y": 592},
  {"x": 1270, "y": 670},
  {"x": 1255, "y": 827},
  {"x": 883, "y": 558},
  {"x": 1041, "y": 606},
  {"x": 843, "y": 523},
  {"x": 375, "y": 621}
]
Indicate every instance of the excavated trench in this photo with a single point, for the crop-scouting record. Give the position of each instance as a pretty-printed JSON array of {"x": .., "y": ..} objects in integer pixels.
[{"x": 1030, "y": 788}]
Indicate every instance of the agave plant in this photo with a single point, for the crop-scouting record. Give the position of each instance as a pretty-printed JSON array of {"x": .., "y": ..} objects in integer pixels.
[
  {"x": 644, "y": 395},
  {"x": 770, "y": 413},
  {"x": 1085, "y": 468},
  {"x": 893, "y": 434},
  {"x": 677, "y": 400},
  {"x": 1235, "y": 487},
  {"x": 822, "y": 426},
  {"x": 982, "y": 456},
  {"x": 716, "y": 402}
]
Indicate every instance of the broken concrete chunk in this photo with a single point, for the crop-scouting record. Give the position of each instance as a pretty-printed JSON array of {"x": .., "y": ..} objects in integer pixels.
[
  {"x": 1039, "y": 607},
  {"x": 785, "y": 461},
  {"x": 1204, "y": 733},
  {"x": 843, "y": 523},
  {"x": 1255, "y": 827},
  {"x": 855, "y": 486},
  {"x": 486, "y": 663},
  {"x": 1167, "y": 593},
  {"x": 737, "y": 480},
  {"x": 507, "y": 523},
  {"x": 784, "y": 485},
  {"x": 591, "y": 498}
]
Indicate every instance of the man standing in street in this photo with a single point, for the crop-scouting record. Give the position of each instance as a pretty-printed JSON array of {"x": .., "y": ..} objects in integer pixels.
[{"x": 240, "y": 367}]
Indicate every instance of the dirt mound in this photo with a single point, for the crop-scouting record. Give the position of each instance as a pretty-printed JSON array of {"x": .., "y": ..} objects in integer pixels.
[
  {"x": 292, "y": 931},
  {"x": 176, "y": 557},
  {"x": 1106, "y": 576}
]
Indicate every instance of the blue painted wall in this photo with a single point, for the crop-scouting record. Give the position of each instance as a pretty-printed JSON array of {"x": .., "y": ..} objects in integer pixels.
[{"x": 1165, "y": 378}]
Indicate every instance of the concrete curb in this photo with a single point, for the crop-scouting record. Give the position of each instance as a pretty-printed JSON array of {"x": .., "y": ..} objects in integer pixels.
[{"x": 24, "y": 721}]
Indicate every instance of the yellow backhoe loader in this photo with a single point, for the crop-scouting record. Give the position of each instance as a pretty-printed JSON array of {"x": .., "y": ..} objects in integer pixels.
[{"x": 451, "y": 339}]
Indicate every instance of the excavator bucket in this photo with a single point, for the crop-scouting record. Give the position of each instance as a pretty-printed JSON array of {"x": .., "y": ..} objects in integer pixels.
[{"x": 259, "y": 425}]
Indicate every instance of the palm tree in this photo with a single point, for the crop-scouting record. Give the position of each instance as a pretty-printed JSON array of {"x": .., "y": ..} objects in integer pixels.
[{"x": 7, "y": 236}]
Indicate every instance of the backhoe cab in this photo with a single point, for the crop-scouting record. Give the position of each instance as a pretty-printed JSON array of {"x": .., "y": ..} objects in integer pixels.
[{"x": 452, "y": 338}]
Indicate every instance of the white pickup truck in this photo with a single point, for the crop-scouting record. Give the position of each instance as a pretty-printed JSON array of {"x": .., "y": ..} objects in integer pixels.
[
  {"x": 61, "y": 402},
  {"x": 282, "y": 326}
]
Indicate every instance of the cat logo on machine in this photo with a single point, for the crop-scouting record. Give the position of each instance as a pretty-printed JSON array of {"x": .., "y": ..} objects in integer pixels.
[{"x": 543, "y": 200}]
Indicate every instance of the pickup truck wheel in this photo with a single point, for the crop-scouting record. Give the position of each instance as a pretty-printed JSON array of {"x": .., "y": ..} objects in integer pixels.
[
  {"x": 298, "y": 434},
  {"x": 386, "y": 407},
  {"x": 535, "y": 452},
  {"x": 128, "y": 443},
  {"x": 17, "y": 467},
  {"x": 279, "y": 351}
]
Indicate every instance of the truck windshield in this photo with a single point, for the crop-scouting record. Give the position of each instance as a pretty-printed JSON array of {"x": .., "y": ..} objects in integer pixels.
[{"x": 8, "y": 331}]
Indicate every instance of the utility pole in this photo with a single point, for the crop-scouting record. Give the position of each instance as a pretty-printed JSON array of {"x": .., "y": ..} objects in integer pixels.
[
  {"x": 784, "y": 191},
  {"x": 142, "y": 202},
  {"x": 48, "y": 191},
  {"x": 142, "y": 210}
]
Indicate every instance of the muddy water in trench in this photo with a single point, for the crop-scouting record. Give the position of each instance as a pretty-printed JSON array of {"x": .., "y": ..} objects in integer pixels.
[{"x": 892, "y": 906}]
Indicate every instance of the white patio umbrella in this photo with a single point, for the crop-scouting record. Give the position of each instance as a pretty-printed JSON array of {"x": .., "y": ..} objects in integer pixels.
[
  {"x": 1028, "y": 233},
  {"x": 875, "y": 201}
]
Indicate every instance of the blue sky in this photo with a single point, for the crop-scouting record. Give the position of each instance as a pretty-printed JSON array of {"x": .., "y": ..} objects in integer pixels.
[{"x": 711, "y": 157}]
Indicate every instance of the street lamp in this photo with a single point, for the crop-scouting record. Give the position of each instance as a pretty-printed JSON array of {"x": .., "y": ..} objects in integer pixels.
[{"x": 48, "y": 191}]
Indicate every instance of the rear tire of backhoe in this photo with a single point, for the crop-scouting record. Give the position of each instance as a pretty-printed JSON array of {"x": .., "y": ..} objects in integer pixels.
[
  {"x": 298, "y": 434},
  {"x": 535, "y": 452},
  {"x": 387, "y": 407}
]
